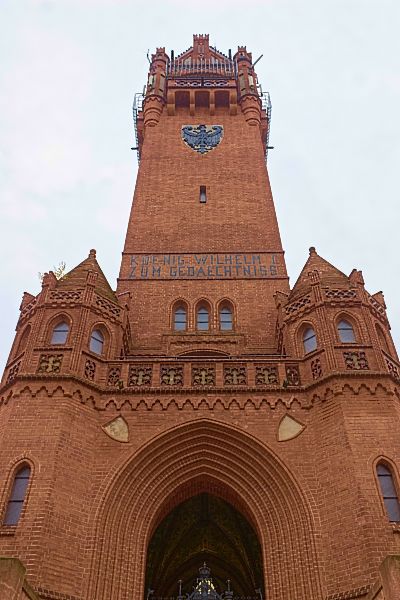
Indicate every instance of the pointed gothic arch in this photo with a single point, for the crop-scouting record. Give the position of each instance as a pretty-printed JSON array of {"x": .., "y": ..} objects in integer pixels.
[{"x": 203, "y": 456}]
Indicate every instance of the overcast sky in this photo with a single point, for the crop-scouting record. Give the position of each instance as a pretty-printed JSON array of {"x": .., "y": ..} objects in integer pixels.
[{"x": 70, "y": 68}]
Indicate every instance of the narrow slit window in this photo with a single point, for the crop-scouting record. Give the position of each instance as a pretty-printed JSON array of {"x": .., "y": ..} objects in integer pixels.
[
  {"x": 389, "y": 493},
  {"x": 203, "y": 194},
  {"x": 17, "y": 496}
]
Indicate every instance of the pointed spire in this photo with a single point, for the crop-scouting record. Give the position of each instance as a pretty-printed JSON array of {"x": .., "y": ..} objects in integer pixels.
[
  {"x": 88, "y": 271},
  {"x": 318, "y": 269}
]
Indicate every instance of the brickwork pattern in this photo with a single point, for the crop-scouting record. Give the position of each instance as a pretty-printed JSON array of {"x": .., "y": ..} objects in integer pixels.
[{"x": 202, "y": 408}]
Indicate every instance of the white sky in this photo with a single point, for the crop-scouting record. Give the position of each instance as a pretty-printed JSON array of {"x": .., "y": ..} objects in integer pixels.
[{"x": 70, "y": 68}]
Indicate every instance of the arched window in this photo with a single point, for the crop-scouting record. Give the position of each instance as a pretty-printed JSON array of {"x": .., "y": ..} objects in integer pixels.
[
  {"x": 309, "y": 340},
  {"x": 203, "y": 318},
  {"x": 346, "y": 332},
  {"x": 60, "y": 333},
  {"x": 180, "y": 318},
  {"x": 97, "y": 341},
  {"x": 17, "y": 496},
  {"x": 225, "y": 318},
  {"x": 388, "y": 491}
]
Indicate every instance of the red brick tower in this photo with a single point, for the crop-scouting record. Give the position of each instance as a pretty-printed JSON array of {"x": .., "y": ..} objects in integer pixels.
[{"x": 203, "y": 412}]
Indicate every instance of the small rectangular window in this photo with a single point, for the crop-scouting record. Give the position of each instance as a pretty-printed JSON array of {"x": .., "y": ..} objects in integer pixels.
[{"x": 203, "y": 194}]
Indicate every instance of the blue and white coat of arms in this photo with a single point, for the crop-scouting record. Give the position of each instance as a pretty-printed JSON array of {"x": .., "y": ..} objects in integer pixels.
[{"x": 202, "y": 138}]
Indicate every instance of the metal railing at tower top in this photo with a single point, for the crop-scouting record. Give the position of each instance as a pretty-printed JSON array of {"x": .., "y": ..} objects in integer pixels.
[
  {"x": 201, "y": 66},
  {"x": 136, "y": 108},
  {"x": 267, "y": 106}
]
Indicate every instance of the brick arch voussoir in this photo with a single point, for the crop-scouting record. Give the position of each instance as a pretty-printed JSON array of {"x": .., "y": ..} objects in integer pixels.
[{"x": 224, "y": 458}]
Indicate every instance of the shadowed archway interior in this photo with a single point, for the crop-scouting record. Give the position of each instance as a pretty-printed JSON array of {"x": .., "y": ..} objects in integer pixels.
[{"x": 207, "y": 529}]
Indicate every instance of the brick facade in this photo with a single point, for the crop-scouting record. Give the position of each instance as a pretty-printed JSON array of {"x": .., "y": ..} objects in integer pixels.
[{"x": 117, "y": 439}]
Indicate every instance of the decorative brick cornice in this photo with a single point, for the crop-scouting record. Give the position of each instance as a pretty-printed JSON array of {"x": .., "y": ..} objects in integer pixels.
[
  {"x": 349, "y": 595},
  {"x": 46, "y": 594},
  {"x": 181, "y": 398}
]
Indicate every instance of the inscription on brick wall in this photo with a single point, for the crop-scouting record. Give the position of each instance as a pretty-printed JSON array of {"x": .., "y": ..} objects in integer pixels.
[{"x": 205, "y": 266}]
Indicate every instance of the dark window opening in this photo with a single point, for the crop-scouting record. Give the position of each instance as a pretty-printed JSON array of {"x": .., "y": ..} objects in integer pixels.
[
  {"x": 96, "y": 342},
  {"x": 203, "y": 194},
  {"x": 346, "y": 332},
  {"x": 389, "y": 493},
  {"x": 309, "y": 340},
  {"x": 17, "y": 497},
  {"x": 180, "y": 319},
  {"x": 225, "y": 319},
  {"x": 203, "y": 319},
  {"x": 60, "y": 333}
]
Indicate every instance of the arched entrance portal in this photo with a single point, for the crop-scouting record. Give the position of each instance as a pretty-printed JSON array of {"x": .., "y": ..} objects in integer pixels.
[
  {"x": 204, "y": 530},
  {"x": 203, "y": 456}
]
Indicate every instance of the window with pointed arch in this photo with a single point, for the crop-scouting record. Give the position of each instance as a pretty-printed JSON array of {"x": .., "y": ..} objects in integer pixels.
[
  {"x": 180, "y": 317},
  {"x": 17, "y": 496},
  {"x": 226, "y": 317},
  {"x": 309, "y": 340},
  {"x": 346, "y": 332},
  {"x": 96, "y": 343},
  {"x": 60, "y": 333},
  {"x": 203, "y": 317},
  {"x": 388, "y": 491}
]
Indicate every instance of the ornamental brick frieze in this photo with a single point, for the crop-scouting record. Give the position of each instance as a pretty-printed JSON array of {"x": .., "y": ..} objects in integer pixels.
[
  {"x": 353, "y": 594},
  {"x": 13, "y": 372},
  {"x": 393, "y": 368},
  {"x": 292, "y": 375},
  {"x": 377, "y": 309},
  {"x": 171, "y": 375},
  {"x": 267, "y": 375},
  {"x": 235, "y": 375},
  {"x": 356, "y": 361},
  {"x": 90, "y": 369},
  {"x": 28, "y": 311},
  {"x": 50, "y": 363},
  {"x": 114, "y": 377},
  {"x": 209, "y": 402},
  {"x": 196, "y": 83},
  {"x": 65, "y": 296},
  {"x": 139, "y": 399},
  {"x": 140, "y": 375},
  {"x": 203, "y": 376},
  {"x": 316, "y": 368},
  {"x": 337, "y": 294},
  {"x": 295, "y": 307},
  {"x": 106, "y": 308}
]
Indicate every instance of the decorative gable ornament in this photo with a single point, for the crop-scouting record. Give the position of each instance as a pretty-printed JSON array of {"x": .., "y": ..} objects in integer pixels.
[{"x": 202, "y": 138}]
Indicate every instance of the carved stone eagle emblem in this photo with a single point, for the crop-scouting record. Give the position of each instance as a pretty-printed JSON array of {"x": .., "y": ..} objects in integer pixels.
[{"x": 202, "y": 138}]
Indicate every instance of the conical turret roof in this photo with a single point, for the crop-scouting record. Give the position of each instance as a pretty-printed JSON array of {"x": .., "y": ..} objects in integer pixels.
[
  {"x": 77, "y": 277},
  {"x": 328, "y": 275}
]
